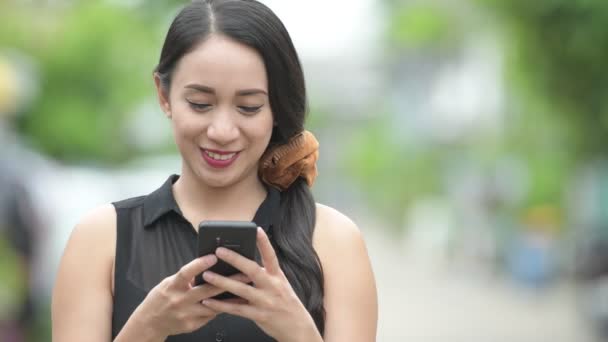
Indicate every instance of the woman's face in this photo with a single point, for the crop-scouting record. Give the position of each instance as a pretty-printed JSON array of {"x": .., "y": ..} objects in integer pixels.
[{"x": 218, "y": 103}]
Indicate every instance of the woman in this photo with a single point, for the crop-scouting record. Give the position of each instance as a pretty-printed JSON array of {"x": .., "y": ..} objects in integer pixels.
[{"x": 230, "y": 81}]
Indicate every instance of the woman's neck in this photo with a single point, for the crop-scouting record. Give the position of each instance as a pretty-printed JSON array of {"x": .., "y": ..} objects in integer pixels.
[{"x": 198, "y": 201}]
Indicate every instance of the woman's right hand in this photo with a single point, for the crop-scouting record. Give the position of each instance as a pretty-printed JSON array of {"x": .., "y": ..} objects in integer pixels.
[{"x": 174, "y": 305}]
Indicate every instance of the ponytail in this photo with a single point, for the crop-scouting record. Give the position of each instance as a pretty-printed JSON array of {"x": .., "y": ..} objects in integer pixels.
[{"x": 293, "y": 245}]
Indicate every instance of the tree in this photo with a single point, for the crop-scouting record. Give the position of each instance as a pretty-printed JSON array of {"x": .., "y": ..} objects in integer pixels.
[
  {"x": 559, "y": 62},
  {"x": 95, "y": 62}
]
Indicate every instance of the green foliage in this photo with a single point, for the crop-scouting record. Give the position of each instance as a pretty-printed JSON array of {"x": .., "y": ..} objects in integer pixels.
[
  {"x": 544, "y": 141},
  {"x": 12, "y": 288},
  {"x": 420, "y": 25},
  {"x": 557, "y": 54},
  {"x": 391, "y": 173},
  {"x": 559, "y": 57},
  {"x": 95, "y": 63}
]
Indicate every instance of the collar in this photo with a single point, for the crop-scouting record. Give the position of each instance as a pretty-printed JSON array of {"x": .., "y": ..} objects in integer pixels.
[{"x": 161, "y": 202}]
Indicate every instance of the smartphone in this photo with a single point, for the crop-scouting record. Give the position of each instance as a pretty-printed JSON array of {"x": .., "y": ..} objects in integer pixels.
[{"x": 239, "y": 236}]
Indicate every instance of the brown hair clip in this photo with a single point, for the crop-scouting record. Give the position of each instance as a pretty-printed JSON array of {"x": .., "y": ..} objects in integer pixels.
[{"x": 280, "y": 166}]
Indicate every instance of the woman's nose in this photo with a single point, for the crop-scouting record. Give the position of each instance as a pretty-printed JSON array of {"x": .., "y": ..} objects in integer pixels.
[{"x": 222, "y": 128}]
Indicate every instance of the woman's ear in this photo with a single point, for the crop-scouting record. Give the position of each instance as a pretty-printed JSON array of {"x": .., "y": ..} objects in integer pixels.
[{"x": 163, "y": 95}]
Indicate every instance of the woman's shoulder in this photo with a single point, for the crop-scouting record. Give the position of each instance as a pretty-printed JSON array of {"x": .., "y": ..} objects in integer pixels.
[
  {"x": 84, "y": 276},
  {"x": 98, "y": 218},
  {"x": 91, "y": 242},
  {"x": 96, "y": 226},
  {"x": 337, "y": 222},
  {"x": 334, "y": 230},
  {"x": 102, "y": 218}
]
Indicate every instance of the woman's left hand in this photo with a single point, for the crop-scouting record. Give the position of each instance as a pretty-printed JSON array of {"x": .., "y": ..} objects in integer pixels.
[{"x": 271, "y": 303}]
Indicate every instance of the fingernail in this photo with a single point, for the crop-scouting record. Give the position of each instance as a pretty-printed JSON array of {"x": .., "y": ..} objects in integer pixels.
[
  {"x": 208, "y": 275},
  {"x": 221, "y": 252},
  {"x": 209, "y": 259}
]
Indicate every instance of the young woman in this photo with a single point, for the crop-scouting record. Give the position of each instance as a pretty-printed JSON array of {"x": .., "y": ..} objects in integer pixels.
[{"x": 230, "y": 81}]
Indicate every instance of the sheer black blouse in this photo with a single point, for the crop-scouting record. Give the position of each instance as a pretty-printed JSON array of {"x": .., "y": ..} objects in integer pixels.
[{"x": 154, "y": 241}]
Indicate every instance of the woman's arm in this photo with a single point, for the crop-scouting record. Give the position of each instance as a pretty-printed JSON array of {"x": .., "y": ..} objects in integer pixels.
[
  {"x": 350, "y": 291},
  {"x": 82, "y": 296}
]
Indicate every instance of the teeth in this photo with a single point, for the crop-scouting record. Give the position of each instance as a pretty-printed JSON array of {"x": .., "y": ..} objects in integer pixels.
[{"x": 220, "y": 156}]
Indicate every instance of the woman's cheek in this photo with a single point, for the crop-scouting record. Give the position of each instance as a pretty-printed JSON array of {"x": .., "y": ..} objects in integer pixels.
[
  {"x": 187, "y": 126},
  {"x": 184, "y": 136}
]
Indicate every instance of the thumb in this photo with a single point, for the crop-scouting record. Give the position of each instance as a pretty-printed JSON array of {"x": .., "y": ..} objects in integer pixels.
[{"x": 184, "y": 276}]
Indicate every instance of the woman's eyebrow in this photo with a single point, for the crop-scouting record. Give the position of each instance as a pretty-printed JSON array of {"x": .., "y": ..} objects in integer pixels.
[
  {"x": 246, "y": 92},
  {"x": 209, "y": 90},
  {"x": 201, "y": 88}
]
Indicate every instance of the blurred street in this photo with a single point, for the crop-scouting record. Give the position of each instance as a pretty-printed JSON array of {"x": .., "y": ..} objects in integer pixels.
[
  {"x": 422, "y": 295},
  {"x": 421, "y": 299},
  {"x": 467, "y": 139}
]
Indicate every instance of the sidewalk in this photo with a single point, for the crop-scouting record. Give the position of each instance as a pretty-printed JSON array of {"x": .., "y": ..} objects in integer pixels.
[{"x": 423, "y": 300}]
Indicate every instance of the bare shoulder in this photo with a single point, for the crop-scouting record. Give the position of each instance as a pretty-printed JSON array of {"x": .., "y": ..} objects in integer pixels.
[
  {"x": 94, "y": 235},
  {"x": 350, "y": 298},
  {"x": 98, "y": 220},
  {"x": 95, "y": 231},
  {"x": 82, "y": 296},
  {"x": 92, "y": 243},
  {"x": 337, "y": 239},
  {"x": 333, "y": 227}
]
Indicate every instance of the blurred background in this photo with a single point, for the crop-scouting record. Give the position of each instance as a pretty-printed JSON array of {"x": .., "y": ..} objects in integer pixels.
[{"x": 467, "y": 138}]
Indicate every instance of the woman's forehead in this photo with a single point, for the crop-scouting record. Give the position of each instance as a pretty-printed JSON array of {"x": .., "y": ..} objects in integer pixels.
[{"x": 220, "y": 62}]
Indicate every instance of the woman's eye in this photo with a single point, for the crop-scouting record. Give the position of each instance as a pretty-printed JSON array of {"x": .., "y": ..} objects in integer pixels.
[
  {"x": 199, "y": 106},
  {"x": 250, "y": 110}
]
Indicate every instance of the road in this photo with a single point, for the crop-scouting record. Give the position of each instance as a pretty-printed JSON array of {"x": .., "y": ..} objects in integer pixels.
[{"x": 422, "y": 298}]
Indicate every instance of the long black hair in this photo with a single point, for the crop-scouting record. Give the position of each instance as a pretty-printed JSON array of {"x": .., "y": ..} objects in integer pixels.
[{"x": 252, "y": 23}]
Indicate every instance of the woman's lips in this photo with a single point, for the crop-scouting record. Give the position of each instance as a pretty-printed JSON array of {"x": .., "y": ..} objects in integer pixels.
[{"x": 219, "y": 159}]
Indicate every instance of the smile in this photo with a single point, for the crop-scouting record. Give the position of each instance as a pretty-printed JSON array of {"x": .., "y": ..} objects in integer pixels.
[
  {"x": 219, "y": 159},
  {"x": 218, "y": 156}
]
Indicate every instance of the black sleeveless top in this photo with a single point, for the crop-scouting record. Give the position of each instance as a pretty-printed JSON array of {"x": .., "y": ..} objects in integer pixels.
[{"x": 154, "y": 241}]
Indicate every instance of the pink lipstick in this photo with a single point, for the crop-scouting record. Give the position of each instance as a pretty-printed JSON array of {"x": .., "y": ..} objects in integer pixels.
[{"x": 219, "y": 159}]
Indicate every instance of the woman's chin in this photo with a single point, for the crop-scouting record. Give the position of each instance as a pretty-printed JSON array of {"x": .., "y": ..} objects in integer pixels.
[{"x": 216, "y": 181}]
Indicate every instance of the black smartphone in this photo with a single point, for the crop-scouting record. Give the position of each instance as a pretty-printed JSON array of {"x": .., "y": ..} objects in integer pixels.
[{"x": 239, "y": 236}]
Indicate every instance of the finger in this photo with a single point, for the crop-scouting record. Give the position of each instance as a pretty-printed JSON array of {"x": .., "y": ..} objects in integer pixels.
[
  {"x": 200, "y": 310},
  {"x": 241, "y": 277},
  {"x": 190, "y": 270},
  {"x": 269, "y": 257},
  {"x": 197, "y": 316},
  {"x": 245, "y": 291},
  {"x": 236, "y": 300},
  {"x": 243, "y": 310},
  {"x": 246, "y": 266},
  {"x": 201, "y": 292}
]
